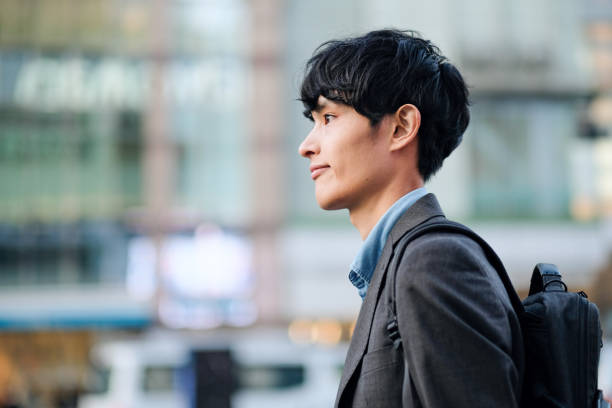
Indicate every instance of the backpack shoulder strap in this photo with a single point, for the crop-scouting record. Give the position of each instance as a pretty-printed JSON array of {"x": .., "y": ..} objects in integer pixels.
[
  {"x": 442, "y": 226},
  {"x": 546, "y": 278}
]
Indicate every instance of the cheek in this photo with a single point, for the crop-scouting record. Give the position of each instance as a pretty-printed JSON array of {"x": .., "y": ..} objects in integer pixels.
[{"x": 359, "y": 158}]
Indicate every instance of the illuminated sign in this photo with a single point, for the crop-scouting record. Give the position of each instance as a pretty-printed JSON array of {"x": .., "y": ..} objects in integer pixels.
[
  {"x": 82, "y": 84},
  {"x": 207, "y": 278}
]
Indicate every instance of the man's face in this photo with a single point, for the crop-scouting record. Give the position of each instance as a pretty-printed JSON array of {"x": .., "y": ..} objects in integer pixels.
[{"x": 348, "y": 156}]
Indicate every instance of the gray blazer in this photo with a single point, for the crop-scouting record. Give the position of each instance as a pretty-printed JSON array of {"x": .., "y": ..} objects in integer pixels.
[{"x": 462, "y": 344}]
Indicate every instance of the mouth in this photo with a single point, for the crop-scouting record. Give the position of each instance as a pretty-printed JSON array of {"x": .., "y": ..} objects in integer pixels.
[{"x": 316, "y": 170}]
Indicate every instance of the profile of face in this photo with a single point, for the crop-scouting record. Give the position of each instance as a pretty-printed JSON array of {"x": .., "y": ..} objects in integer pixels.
[{"x": 347, "y": 156}]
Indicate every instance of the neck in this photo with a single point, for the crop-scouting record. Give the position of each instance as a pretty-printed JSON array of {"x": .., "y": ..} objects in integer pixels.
[{"x": 365, "y": 216}]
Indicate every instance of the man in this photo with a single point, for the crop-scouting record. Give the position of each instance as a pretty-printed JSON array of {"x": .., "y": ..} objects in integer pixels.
[{"x": 388, "y": 108}]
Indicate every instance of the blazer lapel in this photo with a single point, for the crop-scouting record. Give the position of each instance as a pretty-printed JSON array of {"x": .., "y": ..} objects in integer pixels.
[
  {"x": 361, "y": 334},
  {"x": 421, "y": 211}
]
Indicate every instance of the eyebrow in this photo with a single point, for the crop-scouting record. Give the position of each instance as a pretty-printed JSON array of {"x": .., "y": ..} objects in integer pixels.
[{"x": 321, "y": 106}]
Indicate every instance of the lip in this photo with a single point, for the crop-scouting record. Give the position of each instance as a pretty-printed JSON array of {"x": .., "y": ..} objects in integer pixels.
[{"x": 316, "y": 170}]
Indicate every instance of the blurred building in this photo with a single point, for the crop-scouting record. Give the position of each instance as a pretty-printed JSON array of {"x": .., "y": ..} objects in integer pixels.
[
  {"x": 124, "y": 132},
  {"x": 149, "y": 172}
]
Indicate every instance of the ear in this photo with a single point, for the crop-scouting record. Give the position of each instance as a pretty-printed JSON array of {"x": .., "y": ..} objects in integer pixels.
[{"x": 407, "y": 120}]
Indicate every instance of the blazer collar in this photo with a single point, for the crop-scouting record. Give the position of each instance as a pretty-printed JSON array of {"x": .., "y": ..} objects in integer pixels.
[{"x": 425, "y": 208}]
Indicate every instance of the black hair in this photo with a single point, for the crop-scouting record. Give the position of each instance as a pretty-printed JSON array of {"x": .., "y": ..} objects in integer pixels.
[{"x": 383, "y": 70}]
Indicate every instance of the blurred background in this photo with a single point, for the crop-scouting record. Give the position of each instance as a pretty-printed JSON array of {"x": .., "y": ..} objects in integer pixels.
[{"x": 160, "y": 245}]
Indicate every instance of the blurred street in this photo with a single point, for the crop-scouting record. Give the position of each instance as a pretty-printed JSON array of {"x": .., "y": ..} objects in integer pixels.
[{"x": 160, "y": 243}]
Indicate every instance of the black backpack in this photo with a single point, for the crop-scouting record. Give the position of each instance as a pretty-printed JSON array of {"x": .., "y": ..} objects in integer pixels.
[{"x": 561, "y": 330}]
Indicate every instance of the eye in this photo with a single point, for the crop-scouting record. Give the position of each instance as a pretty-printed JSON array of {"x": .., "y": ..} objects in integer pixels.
[{"x": 328, "y": 118}]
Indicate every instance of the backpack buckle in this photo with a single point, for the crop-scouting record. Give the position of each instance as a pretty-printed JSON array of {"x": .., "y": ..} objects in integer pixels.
[{"x": 393, "y": 331}]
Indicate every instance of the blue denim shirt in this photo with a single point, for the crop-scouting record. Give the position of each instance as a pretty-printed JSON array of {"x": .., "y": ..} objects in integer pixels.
[{"x": 365, "y": 262}]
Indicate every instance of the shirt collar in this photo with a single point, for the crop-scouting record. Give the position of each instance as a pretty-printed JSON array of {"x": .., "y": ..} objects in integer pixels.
[{"x": 365, "y": 262}]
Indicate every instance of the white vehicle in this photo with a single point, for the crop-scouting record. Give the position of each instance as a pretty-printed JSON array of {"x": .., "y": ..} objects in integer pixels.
[
  {"x": 270, "y": 372},
  {"x": 282, "y": 374},
  {"x": 138, "y": 374}
]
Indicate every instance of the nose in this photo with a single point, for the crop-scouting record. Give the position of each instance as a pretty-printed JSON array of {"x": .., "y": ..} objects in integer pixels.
[{"x": 309, "y": 145}]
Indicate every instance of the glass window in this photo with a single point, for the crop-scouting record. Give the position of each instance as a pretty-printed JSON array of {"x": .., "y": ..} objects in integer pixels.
[
  {"x": 62, "y": 253},
  {"x": 271, "y": 376},
  {"x": 97, "y": 380},
  {"x": 520, "y": 157},
  {"x": 159, "y": 378}
]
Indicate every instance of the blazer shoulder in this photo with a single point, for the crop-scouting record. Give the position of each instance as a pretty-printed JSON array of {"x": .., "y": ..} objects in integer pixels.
[
  {"x": 445, "y": 247},
  {"x": 444, "y": 255},
  {"x": 454, "y": 259}
]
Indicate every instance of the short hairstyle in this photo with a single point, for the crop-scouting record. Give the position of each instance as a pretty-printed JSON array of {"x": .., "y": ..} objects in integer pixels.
[{"x": 379, "y": 72}]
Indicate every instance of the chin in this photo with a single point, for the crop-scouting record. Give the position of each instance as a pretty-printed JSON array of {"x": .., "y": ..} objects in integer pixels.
[
  {"x": 329, "y": 204},
  {"x": 330, "y": 207}
]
